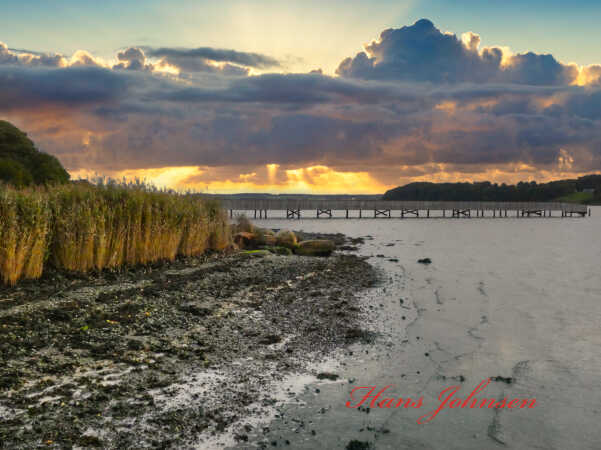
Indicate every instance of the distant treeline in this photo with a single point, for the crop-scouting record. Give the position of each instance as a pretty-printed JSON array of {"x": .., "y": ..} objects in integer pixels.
[{"x": 585, "y": 189}]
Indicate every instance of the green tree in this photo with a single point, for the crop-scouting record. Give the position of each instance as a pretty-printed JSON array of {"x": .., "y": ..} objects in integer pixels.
[
  {"x": 22, "y": 164},
  {"x": 14, "y": 173}
]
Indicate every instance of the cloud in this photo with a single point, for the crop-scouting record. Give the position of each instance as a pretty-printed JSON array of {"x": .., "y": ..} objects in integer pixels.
[
  {"x": 82, "y": 58},
  {"x": 294, "y": 90},
  {"x": 591, "y": 75},
  {"x": 421, "y": 52},
  {"x": 7, "y": 56},
  {"x": 192, "y": 56},
  {"x": 132, "y": 58},
  {"x": 416, "y": 103},
  {"x": 201, "y": 65},
  {"x": 211, "y": 60},
  {"x": 530, "y": 68},
  {"x": 25, "y": 57},
  {"x": 23, "y": 87}
]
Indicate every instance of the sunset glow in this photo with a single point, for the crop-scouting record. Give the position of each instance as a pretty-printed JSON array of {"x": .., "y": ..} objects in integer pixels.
[{"x": 357, "y": 105}]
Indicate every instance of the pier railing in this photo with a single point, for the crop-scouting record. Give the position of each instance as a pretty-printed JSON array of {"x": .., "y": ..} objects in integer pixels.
[{"x": 387, "y": 208}]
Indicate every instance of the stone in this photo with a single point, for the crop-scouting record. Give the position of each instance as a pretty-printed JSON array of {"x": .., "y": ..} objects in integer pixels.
[
  {"x": 195, "y": 309},
  {"x": 286, "y": 238},
  {"x": 267, "y": 239},
  {"x": 317, "y": 247},
  {"x": 327, "y": 376},
  {"x": 244, "y": 239},
  {"x": 264, "y": 236}
]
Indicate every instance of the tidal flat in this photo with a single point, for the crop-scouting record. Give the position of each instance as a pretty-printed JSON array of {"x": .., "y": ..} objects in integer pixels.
[{"x": 169, "y": 355}]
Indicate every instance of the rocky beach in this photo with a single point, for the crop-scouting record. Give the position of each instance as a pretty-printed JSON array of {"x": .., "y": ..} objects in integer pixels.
[{"x": 170, "y": 355}]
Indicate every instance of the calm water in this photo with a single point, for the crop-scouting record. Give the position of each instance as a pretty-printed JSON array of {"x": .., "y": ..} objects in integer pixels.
[{"x": 516, "y": 298}]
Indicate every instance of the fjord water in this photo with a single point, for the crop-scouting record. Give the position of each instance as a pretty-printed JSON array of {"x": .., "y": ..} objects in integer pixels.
[{"x": 509, "y": 297}]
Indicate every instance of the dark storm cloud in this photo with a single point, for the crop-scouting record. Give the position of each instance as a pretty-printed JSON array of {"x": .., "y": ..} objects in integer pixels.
[{"x": 421, "y": 52}]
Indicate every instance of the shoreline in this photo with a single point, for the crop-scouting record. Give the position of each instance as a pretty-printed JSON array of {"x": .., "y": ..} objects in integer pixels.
[{"x": 169, "y": 354}]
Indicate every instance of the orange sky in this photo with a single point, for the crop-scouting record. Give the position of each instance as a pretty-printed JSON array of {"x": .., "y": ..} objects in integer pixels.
[{"x": 322, "y": 179}]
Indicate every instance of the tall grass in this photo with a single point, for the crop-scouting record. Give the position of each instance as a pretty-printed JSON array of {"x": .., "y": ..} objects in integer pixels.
[
  {"x": 24, "y": 229},
  {"x": 92, "y": 227}
]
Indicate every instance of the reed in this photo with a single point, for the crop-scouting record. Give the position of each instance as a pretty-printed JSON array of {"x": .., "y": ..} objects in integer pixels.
[
  {"x": 24, "y": 229},
  {"x": 83, "y": 227}
]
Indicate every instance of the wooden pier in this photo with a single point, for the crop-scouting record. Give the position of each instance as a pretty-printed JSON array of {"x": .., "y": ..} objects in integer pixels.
[{"x": 295, "y": 208}]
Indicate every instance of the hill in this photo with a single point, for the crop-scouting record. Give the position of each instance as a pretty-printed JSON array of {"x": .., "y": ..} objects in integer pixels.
[
  {"x": 21, "y": 164},
  {"x": 585, "y": 189}
]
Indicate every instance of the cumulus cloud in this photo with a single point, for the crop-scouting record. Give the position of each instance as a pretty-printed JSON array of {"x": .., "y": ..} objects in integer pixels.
[
  {"x": 132, "y": 58},
  {"x": 591, "y": 75},
  {"x": 25, "y": 57},
  {"x": 421, "y": 52},
  {"x": 471, "y": 41},
  {"x": 82, "y": 58},
  {"x": 6, "y": 56}
]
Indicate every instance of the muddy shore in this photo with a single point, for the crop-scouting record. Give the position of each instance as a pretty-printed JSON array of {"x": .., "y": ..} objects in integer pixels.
[{"x": 168, "y": 355}]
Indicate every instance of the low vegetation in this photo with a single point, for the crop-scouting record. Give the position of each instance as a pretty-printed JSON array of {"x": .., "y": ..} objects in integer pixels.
[
  {"x": 84, "y": 227},
  {"x": 586, "y": 189},
  {"x": 578, "y": 197}
]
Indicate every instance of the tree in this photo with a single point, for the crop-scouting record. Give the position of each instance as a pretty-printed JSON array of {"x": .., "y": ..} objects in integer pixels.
[
  {"x": 486, "y": 191},
  {"x": 21, "y": 164},
  {"x": 13, "y": 172}
]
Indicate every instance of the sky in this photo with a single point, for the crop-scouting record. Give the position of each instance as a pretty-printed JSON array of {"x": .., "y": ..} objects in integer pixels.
[{"x": 306, "y": 96}]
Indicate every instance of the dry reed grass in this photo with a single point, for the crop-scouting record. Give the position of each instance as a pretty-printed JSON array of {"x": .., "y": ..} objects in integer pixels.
[
  {"x": 24, "y": 230},
  {"x": 83, "y": 227}
]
